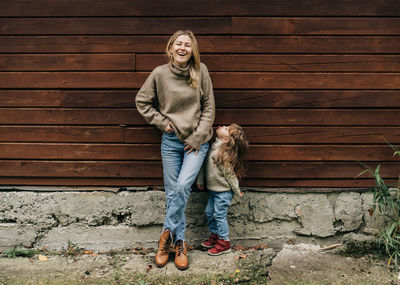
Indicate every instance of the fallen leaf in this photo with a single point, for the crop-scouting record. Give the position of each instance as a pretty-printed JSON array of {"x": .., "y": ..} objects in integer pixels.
[
  {"x": 42, "y": 258},
  {"x": 239, "y": 247},
  {"x": 260, "y": 246},
  {"x": 149, "y": 267}
]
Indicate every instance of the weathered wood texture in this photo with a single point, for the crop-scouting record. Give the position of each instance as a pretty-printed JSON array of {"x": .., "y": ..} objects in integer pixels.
[
  {"x": 40, "y": 8},
  {"x": 315, "y": 84}
]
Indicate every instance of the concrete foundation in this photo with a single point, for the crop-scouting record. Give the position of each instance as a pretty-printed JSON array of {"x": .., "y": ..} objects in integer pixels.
[{"x": 106, "y": 220}]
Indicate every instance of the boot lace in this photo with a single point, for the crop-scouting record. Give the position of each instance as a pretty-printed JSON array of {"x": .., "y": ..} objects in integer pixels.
[
  {"x": 165, "y": 245},
  {"x": 179, "y": 247}
]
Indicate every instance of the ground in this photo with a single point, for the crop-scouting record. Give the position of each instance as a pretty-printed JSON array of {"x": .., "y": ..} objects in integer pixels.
[{"x": 294, "y": 264}]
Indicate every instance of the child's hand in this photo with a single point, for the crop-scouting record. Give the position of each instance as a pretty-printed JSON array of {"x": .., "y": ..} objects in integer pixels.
[
  {"x": 241, "y": 194},
  {"x": 200, "y": 187}
]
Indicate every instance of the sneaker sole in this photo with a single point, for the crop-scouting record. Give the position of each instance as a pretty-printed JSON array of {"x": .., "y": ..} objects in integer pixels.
[{"x": 219, "y": 253}]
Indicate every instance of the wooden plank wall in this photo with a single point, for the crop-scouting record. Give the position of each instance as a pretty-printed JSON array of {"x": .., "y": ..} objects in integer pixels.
[{"x": 315, "y": 84}]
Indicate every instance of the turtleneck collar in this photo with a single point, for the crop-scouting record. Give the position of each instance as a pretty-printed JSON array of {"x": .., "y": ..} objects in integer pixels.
[
  {"x": 179, "y": 71},
  {"x": 218, "y": 142}
]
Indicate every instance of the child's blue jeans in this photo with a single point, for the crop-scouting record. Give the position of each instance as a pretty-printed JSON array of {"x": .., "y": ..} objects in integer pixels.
[
  {"x": 216, "y": 212},
  {"x": 180, "y": 170}
]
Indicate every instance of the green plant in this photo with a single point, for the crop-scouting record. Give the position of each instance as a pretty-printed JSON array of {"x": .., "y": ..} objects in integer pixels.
[
  {"x": 72, "y": 249},
  {"x": 387, "y": 199},
  {"x": 18, "y": 252}
]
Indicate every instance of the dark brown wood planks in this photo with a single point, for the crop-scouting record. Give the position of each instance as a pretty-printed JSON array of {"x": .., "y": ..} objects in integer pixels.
[{"x": 315, "y": 85}]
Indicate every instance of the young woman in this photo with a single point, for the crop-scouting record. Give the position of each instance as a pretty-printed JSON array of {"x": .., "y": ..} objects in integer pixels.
[{"x": 178, "y": 99}]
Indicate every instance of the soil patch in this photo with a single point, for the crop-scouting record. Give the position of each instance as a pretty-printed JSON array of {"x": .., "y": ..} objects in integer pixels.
[{"x": 294, "y": 264}]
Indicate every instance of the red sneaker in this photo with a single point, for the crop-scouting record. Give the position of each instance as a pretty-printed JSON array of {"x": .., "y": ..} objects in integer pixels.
[
  {"x": 221, "y": 247},
  {"x": 210, "y": 242}
]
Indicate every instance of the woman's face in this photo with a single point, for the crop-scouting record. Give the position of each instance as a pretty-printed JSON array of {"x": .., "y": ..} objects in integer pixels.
[{"x": 181, "y": 50}]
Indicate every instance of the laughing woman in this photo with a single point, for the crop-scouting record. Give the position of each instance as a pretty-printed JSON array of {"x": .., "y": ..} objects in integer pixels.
[{"x": 178, "y": 99}]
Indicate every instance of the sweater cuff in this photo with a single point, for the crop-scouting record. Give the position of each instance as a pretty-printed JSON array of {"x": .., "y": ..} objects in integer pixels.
[
  {"x": 190, "y": 140},
  {"x": 162, "y": 125}
]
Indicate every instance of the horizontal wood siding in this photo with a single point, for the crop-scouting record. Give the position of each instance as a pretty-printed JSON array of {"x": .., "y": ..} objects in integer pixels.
[{"x": 315, "y": 84}]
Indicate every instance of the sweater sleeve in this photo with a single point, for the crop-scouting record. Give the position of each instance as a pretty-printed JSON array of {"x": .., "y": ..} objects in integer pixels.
[
  {"x": 230, "y": 178},
  {"x": 146, "y": 102},
  {"x": 204, "y": 127}
]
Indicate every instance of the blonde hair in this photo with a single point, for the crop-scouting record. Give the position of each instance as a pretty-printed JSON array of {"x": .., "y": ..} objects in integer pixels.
[
  {"x": 231, "y": 154},
  {"x": 194, "y": 61}
]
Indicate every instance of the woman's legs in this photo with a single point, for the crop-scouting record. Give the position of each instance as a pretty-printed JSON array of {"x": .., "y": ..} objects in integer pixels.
[
  {"x": 189, "y": 171},
  {"x": 180, "y": 171},
  {"x": 172, "y": 159}
]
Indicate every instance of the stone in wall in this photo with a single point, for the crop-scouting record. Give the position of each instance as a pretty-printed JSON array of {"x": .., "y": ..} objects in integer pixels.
[
  {"x": 124, "y": 219},
  {"x": 27, "y": 208},
  {"x": 315, "y": 215},
  {"x": 348, "y": 211},
  {"x": 373, "y": 219},
  {"x": 12, "y": 234},
  {"x": 270, "y": 207},
  {"x": 195, "y": 208},
  {"x": 148, "y": 209},
  {"x": 99, "y": 238}
]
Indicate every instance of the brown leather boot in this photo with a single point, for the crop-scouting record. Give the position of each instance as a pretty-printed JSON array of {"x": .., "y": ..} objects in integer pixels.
[
  {"x": 181, "y": 260},
  {"x": 163, "y": 249}
]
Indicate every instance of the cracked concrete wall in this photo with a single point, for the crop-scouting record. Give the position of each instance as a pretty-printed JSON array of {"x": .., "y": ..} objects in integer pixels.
[{"x": 106, "y": 220}]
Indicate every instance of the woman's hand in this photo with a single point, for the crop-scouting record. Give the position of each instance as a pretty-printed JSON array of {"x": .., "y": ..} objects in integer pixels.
[
  {"x": 200, "y": 187},
  {"x": 169, "y": 128},
  {"x": 189, "y": 148}
]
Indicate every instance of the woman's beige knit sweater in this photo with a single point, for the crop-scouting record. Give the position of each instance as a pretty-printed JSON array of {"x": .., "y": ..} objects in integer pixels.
[{"x": 167, "y": 96}]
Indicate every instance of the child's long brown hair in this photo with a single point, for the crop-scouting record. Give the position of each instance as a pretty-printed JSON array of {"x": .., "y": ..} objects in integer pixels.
[{"x": 232, "y": 152}]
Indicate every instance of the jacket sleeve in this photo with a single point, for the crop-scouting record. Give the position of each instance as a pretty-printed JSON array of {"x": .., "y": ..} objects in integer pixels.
[
  {"x": 146, "y": 103},
  {"x": 204, "y": 127}
]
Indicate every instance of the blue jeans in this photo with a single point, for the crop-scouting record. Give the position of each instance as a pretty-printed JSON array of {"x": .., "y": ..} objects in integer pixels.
[
  {"x": 180, "y": 170},
  {"x": 216, "y": 211}
]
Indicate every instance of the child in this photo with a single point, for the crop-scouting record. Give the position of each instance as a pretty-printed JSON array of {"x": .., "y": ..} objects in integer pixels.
[{"x": 221, "y": 170}]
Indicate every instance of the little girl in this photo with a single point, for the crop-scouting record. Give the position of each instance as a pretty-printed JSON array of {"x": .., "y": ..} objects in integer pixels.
[{"x": 221, "y": 170}]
